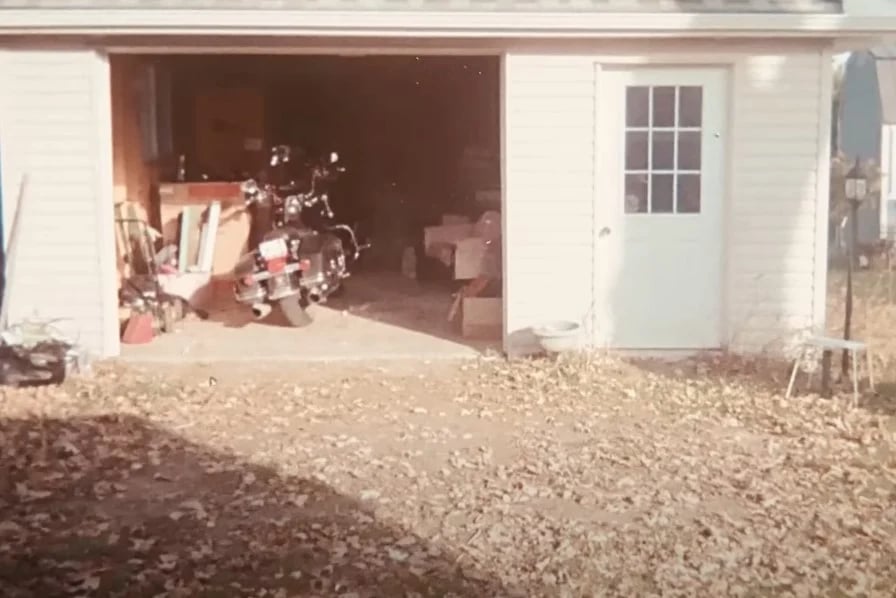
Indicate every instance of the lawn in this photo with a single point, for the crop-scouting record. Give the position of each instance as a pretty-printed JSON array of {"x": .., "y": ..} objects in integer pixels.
[{"x": 577, "y": 478}]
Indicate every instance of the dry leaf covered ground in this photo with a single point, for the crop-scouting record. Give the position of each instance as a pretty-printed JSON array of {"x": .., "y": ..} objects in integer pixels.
[
  {"x": 874, "y": 318},
  {"x": 534, "y": 479}
]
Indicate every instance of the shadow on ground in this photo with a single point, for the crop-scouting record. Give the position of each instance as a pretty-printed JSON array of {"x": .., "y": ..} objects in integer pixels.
[{"x": 114, "y": 506}]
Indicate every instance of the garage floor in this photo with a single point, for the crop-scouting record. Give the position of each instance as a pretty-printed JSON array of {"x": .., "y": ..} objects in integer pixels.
[{"x": 381, "y": 316}]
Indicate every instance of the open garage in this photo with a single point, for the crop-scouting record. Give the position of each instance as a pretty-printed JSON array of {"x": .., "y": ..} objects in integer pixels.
[{"x": 417, "y": 137}]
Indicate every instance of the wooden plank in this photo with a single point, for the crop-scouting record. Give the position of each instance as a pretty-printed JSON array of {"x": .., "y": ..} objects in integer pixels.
[
  {"x": 209, "y": 236},
  {"x": 194, "y": 231},
  {"x": 183, "y": 254},
  {"x": 200, "y": 193}
]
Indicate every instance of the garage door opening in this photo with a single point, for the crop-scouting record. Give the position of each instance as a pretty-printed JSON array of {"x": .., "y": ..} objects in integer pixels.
[{"x": 419, "y": 137}]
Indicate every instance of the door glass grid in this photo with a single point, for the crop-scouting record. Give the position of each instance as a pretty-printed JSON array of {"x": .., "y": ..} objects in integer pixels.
[{"x": 663, "y": 147}]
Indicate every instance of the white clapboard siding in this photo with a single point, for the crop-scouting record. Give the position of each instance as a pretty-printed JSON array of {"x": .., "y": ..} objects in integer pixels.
[
  {"x": 775, "y": 177},
  {"x": 774, "y": 280},
  {"x": 549, "y": 198},
  {"x": 55, "y": 132}
]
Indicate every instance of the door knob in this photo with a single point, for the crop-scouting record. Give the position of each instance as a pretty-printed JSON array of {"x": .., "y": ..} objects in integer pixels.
[{"x": 604, "y": 232}]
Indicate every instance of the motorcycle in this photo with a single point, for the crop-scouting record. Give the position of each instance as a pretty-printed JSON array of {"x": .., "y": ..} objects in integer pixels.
[{"x": 302, "y": 260}]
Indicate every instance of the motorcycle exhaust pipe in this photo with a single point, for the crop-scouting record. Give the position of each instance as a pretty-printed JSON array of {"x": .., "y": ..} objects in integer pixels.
[
  {"x": 260, "y": 310},
  {"x": 314, "y": 297}
]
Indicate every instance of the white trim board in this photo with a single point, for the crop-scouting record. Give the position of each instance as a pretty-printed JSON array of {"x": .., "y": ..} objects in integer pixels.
[
  {"x": 631, "y": 49},
  {"x": 504, "y": 140},
  {"x": 823, "y": 190},
  {"x": 105, "y": 231},
  {"x": 432, "y": 23},
  {"x": 233, "y": 47}
]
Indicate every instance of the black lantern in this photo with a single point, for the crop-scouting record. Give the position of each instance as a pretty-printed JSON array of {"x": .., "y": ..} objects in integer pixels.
[{"x": 856, "y": 184}]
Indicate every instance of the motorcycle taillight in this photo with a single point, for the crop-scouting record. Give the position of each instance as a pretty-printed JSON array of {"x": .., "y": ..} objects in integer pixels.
[{"x": 276, "y": 265}]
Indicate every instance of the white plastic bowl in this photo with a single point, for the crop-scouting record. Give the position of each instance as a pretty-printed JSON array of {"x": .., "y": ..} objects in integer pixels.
[{"x": 559, "y": 337}]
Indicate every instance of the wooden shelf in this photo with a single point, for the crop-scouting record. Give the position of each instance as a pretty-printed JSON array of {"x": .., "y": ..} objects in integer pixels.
[{"x": 226, "y": 192}]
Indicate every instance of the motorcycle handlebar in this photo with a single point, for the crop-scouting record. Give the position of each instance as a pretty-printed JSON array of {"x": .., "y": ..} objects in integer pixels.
[
  {"x": 327, "y": 207},
  {"x": 313, "y": 199},
  {"x": 252, "y": 193}
]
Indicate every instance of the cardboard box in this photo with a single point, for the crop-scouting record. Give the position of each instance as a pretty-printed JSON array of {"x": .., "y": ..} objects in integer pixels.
[
  {"x": 454, "y": 219},
  {"x": 474, "y": 257},
  {"x": 469, "y": 258},
  {"x": 488, "y": 196},
  {"x": 482, "y": 318},
  {"x": 444, "y": 252},
  {"x": 445, "y": 234}
]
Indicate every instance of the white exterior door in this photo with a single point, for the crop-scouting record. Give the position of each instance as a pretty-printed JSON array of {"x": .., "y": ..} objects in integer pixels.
[
  {"x": 55, "y": 132},
  {"x": 660, "y": 194}
]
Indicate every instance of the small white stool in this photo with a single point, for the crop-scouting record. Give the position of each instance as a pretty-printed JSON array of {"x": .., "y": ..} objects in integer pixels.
[{"x": 826, "y": 343}]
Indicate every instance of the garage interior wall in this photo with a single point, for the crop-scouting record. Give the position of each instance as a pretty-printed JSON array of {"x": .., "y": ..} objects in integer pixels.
[
  {"x": 775, "y": 218},
  {"x": 55, "y": 126},
  {"x": 134, "y": 179}
]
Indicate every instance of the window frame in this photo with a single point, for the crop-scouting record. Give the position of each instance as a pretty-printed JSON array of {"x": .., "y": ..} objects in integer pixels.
[{"x": 676, "y": 128}]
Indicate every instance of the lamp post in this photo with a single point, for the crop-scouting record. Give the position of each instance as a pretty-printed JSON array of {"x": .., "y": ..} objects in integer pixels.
[{"x": 856, "y": 190}]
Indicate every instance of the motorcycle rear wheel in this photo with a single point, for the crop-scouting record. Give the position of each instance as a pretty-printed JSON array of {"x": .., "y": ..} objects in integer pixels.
[{"x": 294, "y": 311}]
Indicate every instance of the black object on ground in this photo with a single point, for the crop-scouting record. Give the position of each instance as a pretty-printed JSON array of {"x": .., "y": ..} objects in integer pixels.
[{"x": 39, "y": 365}]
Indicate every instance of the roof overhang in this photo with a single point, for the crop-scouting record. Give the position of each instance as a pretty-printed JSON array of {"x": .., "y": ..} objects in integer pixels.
[{"x": 438, "y": 24}]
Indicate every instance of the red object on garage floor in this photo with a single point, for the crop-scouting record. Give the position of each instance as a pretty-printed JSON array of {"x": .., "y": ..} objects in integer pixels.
[{"x": 138, "y": 330}]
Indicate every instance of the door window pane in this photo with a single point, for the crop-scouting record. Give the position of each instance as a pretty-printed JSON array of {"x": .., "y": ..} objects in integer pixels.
[
  {"x": 662, "y": 193},
  {"x": 636, "y": 150},
  {"x": 663, "y": 107},
  {"x": 635, "y": 193},
  {"x": 688, "y": 193},
  {"x": 637, "y": 106},
  {"x": 689, "y": 150},
  {"x": 663, "y": 150},
  {"x": 690, "y": 106}
]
